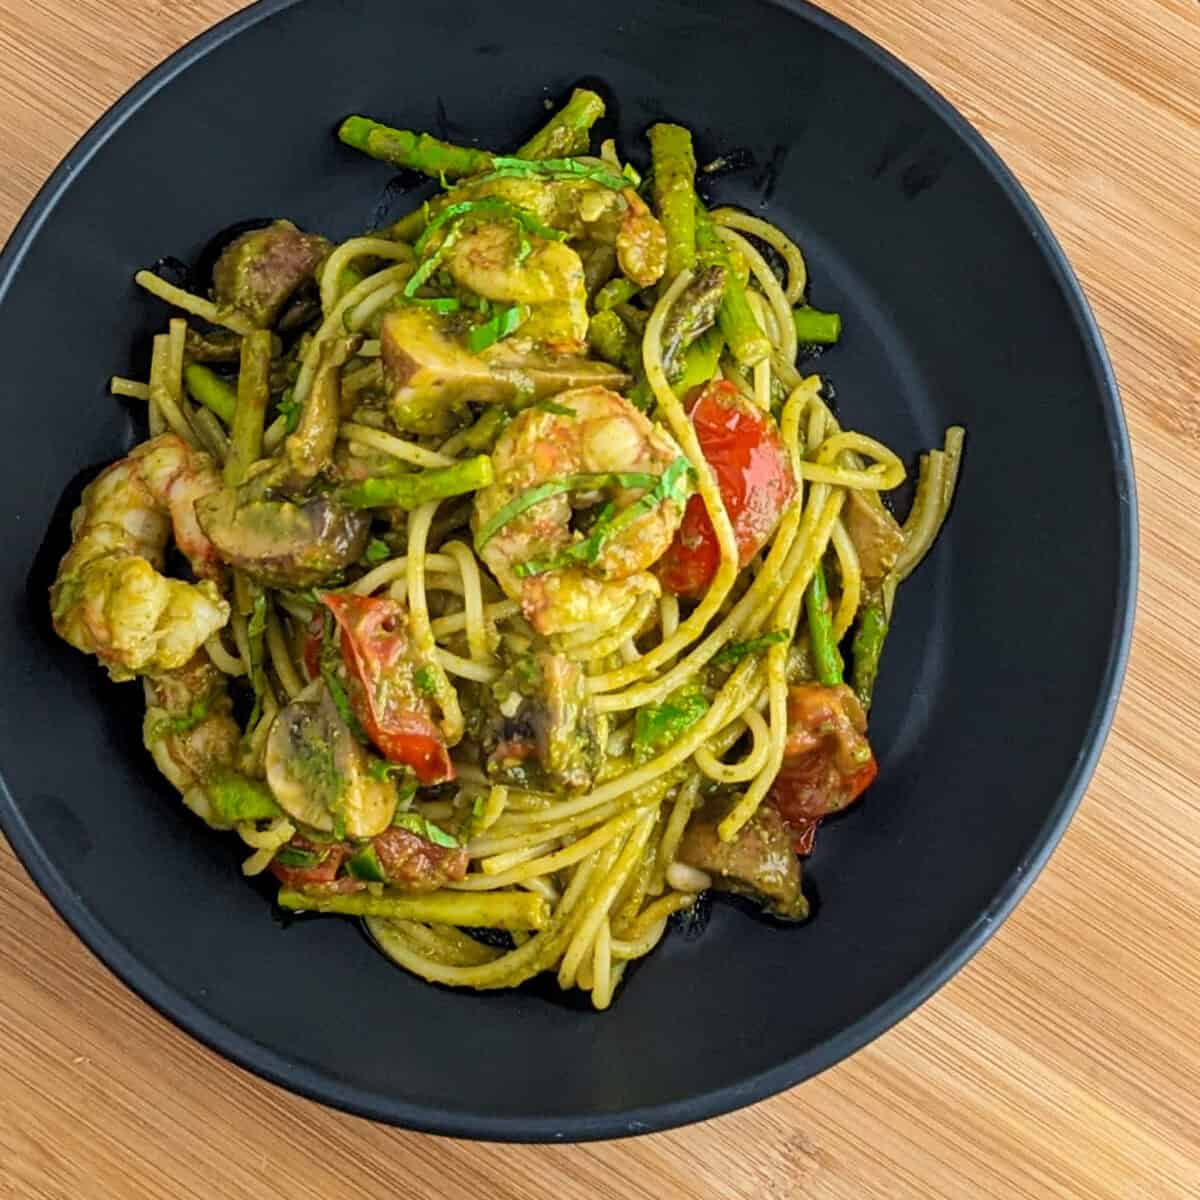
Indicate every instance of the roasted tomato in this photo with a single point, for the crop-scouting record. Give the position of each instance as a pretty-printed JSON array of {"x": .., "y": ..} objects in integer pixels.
[
  {"x": 748, "y": 458},
  {"x": 384, "y": 678},
  {"x": 311, "y": 865},
  {"x": 416, "y": 864},
  {"x": 827, "y": 762}
]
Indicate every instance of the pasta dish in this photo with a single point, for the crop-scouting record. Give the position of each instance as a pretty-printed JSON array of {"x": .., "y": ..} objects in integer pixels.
[{"x": 501, "y": 577}]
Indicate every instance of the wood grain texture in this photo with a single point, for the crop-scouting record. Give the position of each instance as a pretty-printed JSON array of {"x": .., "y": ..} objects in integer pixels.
[{"x": 1065, "y": 1060}]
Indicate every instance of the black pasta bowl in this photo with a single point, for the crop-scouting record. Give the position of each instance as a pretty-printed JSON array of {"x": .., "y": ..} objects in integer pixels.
[{"x": 1000, "y": 676}]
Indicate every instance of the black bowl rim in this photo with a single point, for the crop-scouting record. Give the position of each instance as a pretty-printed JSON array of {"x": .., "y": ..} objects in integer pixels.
[{"x": 244, "y": 1051}]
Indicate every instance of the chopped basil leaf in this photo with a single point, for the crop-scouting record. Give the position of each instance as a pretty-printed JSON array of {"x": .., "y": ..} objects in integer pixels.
[
  {"x": 554, "y": 487},
  {"x": 415, "y": 823},
  {"x": 426, "y": 680},
  {"x": 377, "y": 551},
  {"x": 553, "y": 168},
  {"x": 658, "y": 726},
  {"x": 559, "y": 410},
  {"x": 258, "y": 618},
  {"x": 672, "y": 485},
  {"x": 382, "y": 770},
  {"x": 289, "y": 410},
  {"x": 506, "y": 321},
  {"x": 738, "y": 650},
  {"x": 294, "y": 856}
]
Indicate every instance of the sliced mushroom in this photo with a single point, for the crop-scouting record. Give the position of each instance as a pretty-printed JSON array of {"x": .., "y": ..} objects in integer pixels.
[
  {"x": 759, "y": 862},
  {"x": 259, "y": 272},
  {"x": 317, "y": 771},
  {"x": 283, "y": 543},
  {"x": 877, "y": 537},
  {"x": 430, "y": 374},
  {"x": 539, "y": 725}
]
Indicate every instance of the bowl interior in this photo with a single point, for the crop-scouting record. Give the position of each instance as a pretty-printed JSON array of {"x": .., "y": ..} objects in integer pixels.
[{"x": 997, "y": 677}]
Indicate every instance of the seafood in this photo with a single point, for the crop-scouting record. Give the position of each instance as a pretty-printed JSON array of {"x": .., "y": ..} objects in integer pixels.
[
  {"x": 110, "y": 597},
  {"x": 595, "y": 448}
]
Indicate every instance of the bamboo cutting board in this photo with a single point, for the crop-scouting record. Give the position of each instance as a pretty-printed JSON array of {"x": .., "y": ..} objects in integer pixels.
[{"x": 1065, "y": 1060}]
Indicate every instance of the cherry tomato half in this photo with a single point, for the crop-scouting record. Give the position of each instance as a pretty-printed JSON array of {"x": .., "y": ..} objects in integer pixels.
[{"x": 748, "y": 458}]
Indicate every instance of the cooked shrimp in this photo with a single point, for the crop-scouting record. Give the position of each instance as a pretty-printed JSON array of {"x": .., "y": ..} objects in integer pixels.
[
  {"x": 110, "y": 597},
  {"x": 641, "y": 242},
  {"x": 189, "y": 727},
  {"x": 603, "y": 434},
  {"x": 549, "y": 279},
  {"x": 583, "y": 209}
]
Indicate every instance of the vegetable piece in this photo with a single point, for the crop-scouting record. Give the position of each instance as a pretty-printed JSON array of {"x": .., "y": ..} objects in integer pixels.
[
  {"x": 259, "y": 272},
  {"x": 309, "y": 449},
  {"x": 237, "y": 798},
  {"x": 319, "y": 773},
  {"x": 816, "y": 328},
  {"x": 305, "y": 864},
  {"x": 658, "y": 726},
  {"x": 610, "y": 339},
  {"x": 431, "y": 375},
  {"x": 615, "y": 292},
  {"x": 253, "y": 393},
  {"x": 746, "y": 453},
  {"x": 553, "y": 168},
  {"x": 539, "y": 726},
  {"x": 364, "y": 865},
  {"x": 827, "y": 761},
  {"x": 568, "y": 132},
  {"x": 419, "y": 487},
  {"x": 736, "y": 651},
  {"x": 490, "y": 208},
  {"x": 877, "y": 537},
  {"x": 674, "y": 167},
  {"x": 417, "y": 856},
  {"x": 483, "y": 434},
  {"x": 484, "y": 910},
  {"x": 737, "y": 320},
  {"x": 416, "y": 151},
  {"x": 280, "y": 543},
  {"x": 206, "y": 387},
  {"x": 586, "y": 482},
  {"x": 820, "y": 629},
  {"x": 759, "y": 862},
  {"x": 700, "y": 362},
  {"x": 379, "y": 665},
  {"x": 506, "y": 321},
  {"x": 692, "y": 314},
  {"x": 674, "y": 486},
  {"x": 867, "y": 648}
]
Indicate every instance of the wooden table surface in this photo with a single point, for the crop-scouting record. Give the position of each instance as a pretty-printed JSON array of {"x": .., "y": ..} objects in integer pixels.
[{"x": 1065, "y": 1060}]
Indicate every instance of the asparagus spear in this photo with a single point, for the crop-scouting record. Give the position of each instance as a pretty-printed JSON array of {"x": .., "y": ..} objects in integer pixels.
[
  {"x": 615, "y": 293},
  {"x": 736, "y": 319},
  {"x": 674, "y": 166},
  {"x": 206, "y": 387},
  {"x": 487, "y": 910},
  {"x": 568, "y": 132},
  {"x": 253, "y": 392},
  {"x": 816, "y": 328},
  {"x": 411, "y": 491},
  {"x": 417, "y": 151},
  {"x": 820, "y": 630},
  {"x": 867, "y": 648},
  {"x": 610, "y": 339}
]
